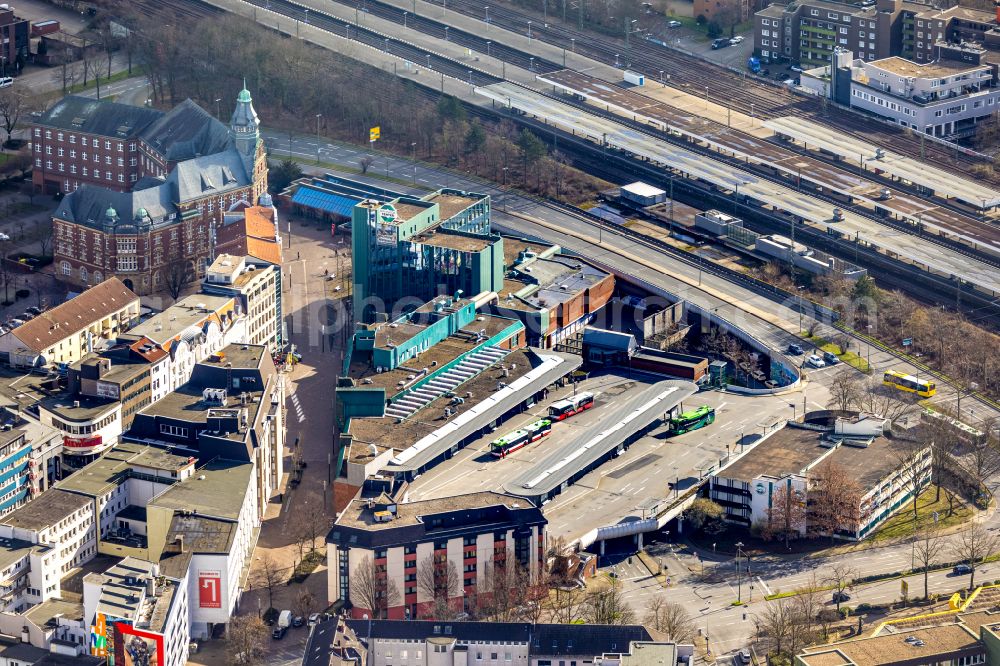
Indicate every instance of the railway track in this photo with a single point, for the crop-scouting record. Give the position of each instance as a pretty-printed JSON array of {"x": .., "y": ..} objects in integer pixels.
[{"x": 718, "y": 83}]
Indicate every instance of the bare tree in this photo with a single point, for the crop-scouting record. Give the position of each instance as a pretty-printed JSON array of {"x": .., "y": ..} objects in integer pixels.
[
  {"x": 43, "y": 233},
  {"x": 981, "y": 462},
  {"x": 883, "y": 401},
  {"x": 787, "y": 514},
  {"x": 245, "y": 640},
  {"x": 841, "y": 578},
  {"x": 927, "y": 548},
  {"x": 566, "y": 604},
  {"x": 507, "y": 591},
  {"x": 910, "y": 459},
  {"x": 365, "y": 163},
  {"x": 11, "y": 106},
  {"x": 776, "y": 625},
  {"x": 808, "y": 602},
  {"x": 671, "y": 620},
  {"x": 607, "y": 605},
  {"x": 178, "y": 273},
  {"x": 373, "y": 589},
  {"x": 269, "y": 575},
  {"x": 846, "y": 390},
  {"x": 96, "y": 65},
  {"x": 834, "y": 500},
  {"x": 438, "y": 578},
  {"x": 973, "y": 546},
  {"x": 305, "y": 603}
]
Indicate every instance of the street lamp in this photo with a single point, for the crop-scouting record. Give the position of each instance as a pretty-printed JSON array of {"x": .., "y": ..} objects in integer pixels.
[
  {"x": 739, "y": 580},
  {"x": 404, "y": 18},
  {"x": 218, "y": 108},
  {"x": 488, "y": 43},
  {"x": 413, "y": 158},
  {"x": 318, "y": 116},
  {"x": 446, "y": 33},
  {"x": 529, "y": 33}
]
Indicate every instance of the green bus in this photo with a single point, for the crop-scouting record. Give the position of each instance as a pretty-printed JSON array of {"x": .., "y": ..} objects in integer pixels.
[
  {"x": 512, "y": 441},
  {"x": 688, "y": 421}
]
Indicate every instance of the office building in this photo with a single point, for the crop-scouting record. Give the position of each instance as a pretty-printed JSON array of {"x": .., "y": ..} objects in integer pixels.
[
  {"x": 469, "y": 535},
  {"x": 785, "y": 461},
  {"x": 421, "y": 248}
]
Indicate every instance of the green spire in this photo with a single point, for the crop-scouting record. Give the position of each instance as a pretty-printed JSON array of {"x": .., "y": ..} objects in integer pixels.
[{"x": 244, "y": 96}]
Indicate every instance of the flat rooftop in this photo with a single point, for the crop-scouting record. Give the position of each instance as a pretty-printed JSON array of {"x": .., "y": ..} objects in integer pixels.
[
  {"x": 44, "y": 612},
  {"x": 187, "y": 403},
  {"x": 791, "y": 450},
  {"x": 439, "y": 238},
  {"x": 46, "y": 510},
  {"x": 559, "y": 279},
  {"x": 445, "y": 351},
  {"x": 938, "y": 68},
  {"x": 185, "y": 313},
  {"x": 452, "y": 203},
  {"x": 358, "y": 515},
  {"x": 513, "y": 247},
  {"x": 110, "y": 470},
  {"x": 215, "y": 490},
  {"x": 247, "y": 357},
  {"x": 12, "y": 550},
  {"x": 77, "y": 407},
  {"x": 939, "y": 644},
  {"x": 406, "y": 210}
]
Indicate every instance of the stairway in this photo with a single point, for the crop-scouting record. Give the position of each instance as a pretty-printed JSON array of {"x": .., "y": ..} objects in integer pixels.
[{"x": 455, "y": 376}]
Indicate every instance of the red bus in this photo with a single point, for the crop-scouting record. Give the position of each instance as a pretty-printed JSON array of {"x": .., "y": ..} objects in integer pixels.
[{"x": 563, "y": 409}]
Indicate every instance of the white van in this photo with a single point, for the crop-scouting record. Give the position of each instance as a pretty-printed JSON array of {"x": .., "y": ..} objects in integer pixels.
[{"x": 6, "y": 82}]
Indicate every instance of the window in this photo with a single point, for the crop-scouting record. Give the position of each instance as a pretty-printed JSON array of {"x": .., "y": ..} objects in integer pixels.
[
  {"x": 107, "y": 145},
  {"x": 121, "y": 146},
  {"x": 48, "y": 150},
  {"x": 85, "y": 171},
  {"x": 65, "y": 268},
  {"x": 48, "y": 134},
  {"x": 131, "y": 146},
  {"x": 814, "y": 12},
  {"x": 72, "y": 168},
  {"x": 128, "y": 263},
  {"x": 176, "y": 431},
  {"x": 38, "y": 132}
]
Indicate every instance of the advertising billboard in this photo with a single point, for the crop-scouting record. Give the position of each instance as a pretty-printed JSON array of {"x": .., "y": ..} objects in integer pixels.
[
  {"x": 134, "y": 647},
  {"x": 209, "y": 589},
  {"x": 105, "y": 390}
]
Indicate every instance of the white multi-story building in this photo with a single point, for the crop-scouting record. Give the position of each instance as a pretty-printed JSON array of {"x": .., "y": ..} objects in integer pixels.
[
  {"x": 257, "y": 287},
  {"x": 883, "y": 463},
  {"x": 945, "y": 97},
  {"x": 134, "y": 607}
]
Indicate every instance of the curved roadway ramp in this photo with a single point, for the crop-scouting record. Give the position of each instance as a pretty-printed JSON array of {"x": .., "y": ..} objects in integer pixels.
[{"x": 565, "y": 465}]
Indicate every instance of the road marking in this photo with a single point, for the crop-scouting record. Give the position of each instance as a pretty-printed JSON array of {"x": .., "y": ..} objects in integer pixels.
[
  {"x": 299, "y": 412},
  {"x": 764, "y": 585}
]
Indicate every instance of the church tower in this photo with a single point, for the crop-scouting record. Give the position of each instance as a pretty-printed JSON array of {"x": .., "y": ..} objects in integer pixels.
[{"x": 245, "y": 129}]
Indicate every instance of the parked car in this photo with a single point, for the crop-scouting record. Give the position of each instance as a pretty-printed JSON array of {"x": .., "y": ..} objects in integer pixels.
[
  {"x": 961, "y": 570},
  {"x": 313, "y": 619},
  {"x": 26, "y": 316},
  {"x": 279, "y": 633},
  {"x": 4, "y": 237},
  {"x": 743, "y": 656},
  {"x": 674, "y": 24},
  {"x": 795, "y": 350},
  {"x": 795, "y": 68},
  {"x": 720, "y": 43},
  {"x": 33, "y": 310},
  {"x": 841, "y": 597},
  {"x": 738, "y": 39},
  {"x": 297, "y": 621},
  {"x": 6, "y": 82},
  {"x": 815, "y": 361},
  {"x": 16, "y": 322},
  {"x": 830, "y": 358}
]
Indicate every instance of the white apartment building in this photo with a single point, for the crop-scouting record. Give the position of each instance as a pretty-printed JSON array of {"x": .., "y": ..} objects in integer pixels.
[
  {"x": 256, "y": 285},
  {"x": 945, "y": 97}
]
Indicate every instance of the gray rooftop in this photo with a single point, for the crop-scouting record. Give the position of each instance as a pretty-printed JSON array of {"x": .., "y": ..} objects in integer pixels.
[
  {"x": 44, "y": 612},
  {"x": 83, "y": 114},
  {"x": 123, "y": 587},
  {"x": 12, "y": 550},
  {"x": 558, "y": 279},
  {"x": 187, "y": 131},
  {"x": 111, "y": 469},
  {"x": 90, "y": 206},
  {"x": 46, "y": 510},
  {"x": 209, "y": 175},
  {"x": 179, "y": 318},
  {"x": 215, "y": 490}
]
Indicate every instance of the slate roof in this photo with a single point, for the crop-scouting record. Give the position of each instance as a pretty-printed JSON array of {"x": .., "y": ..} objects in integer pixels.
[
  {"x": 209, "y": 175},
  {"x": 185, "y": 132},
  {"x": 543, "y": 639},
  {"x": 92, "y": 116},
  {"x": 89, "y": 205}
]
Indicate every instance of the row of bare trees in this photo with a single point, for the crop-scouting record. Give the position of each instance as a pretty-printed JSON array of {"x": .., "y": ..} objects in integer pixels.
[{"x": 346, "y": 99}]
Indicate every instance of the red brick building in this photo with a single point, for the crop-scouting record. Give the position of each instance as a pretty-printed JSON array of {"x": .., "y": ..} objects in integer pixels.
[{"x": 151, "y": 222}]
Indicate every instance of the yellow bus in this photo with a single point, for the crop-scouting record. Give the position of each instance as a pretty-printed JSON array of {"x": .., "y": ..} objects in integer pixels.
[{"x": 909, "y": 383}]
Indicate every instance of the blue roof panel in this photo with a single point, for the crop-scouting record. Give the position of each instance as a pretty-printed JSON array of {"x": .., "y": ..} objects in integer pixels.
[{"x": 325, "y": 201}]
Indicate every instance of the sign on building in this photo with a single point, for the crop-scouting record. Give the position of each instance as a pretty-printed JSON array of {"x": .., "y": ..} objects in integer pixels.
[
  {"x": 209, "y": 589},
  {"x": 385, "y": 225},
  {"x": 105, "y": 390}
]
